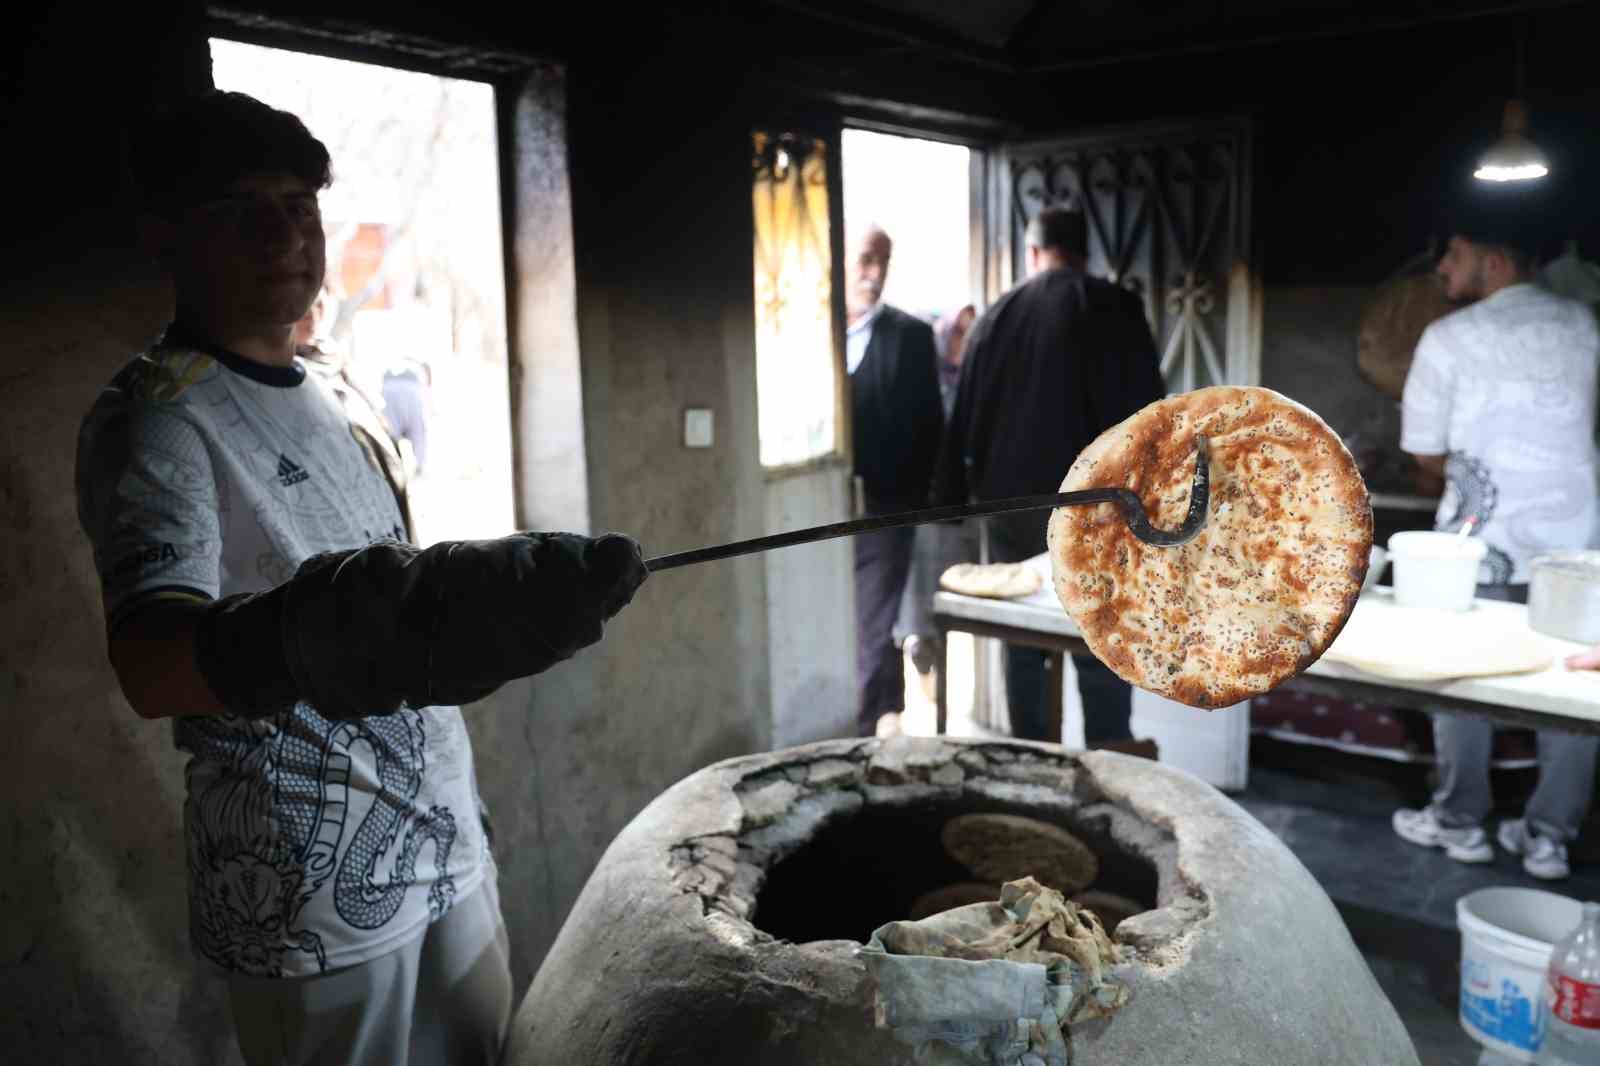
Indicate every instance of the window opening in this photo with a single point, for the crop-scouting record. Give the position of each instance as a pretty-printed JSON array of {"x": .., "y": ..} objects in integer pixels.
[
  {"x": 919, "y": 193},
  {"x": 415, "y": 287}
]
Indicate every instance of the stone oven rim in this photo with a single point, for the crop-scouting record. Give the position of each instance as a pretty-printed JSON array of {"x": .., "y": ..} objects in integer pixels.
[{"x": 784, "y": 798}]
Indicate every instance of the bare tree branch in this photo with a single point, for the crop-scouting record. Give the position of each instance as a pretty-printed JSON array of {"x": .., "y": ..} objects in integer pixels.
[{"x": 431, "y": 153}]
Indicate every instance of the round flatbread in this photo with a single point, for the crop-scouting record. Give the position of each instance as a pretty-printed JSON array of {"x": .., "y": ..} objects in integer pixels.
[
  {"x": 996, "y": 581},
  {"x": 1430, "y": 644},
  {"x": 948, "y": 898},
  {"x": 1264, "y": 588},
  {"x": 1005, "y": 847}
]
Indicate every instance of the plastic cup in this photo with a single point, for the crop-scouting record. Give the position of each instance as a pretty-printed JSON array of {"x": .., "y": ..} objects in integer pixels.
[{"x": 1435, "y": 569}]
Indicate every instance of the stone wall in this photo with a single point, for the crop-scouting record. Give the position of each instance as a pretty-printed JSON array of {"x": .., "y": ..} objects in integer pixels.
[
  {"x": 661, "y": 228},
  {"x": 1308, "y": 351},
  {"x": 94, "y": 962}
]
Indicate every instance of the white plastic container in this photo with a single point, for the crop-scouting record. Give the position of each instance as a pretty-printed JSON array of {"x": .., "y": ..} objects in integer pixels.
[
  {"x": 1435, "y": 569},
  {"x": 1564, "y": 595},
  {"x": 1506, "y": 939}
]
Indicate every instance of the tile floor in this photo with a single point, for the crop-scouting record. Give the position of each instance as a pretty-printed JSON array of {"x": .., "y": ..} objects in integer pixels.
[{"x": 1398, "y": 900}]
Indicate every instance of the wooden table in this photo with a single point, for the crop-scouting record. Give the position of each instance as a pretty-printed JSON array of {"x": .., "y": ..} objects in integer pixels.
[{"x": 1551, "y": 698}]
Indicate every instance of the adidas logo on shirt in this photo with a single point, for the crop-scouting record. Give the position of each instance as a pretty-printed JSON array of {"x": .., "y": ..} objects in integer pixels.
[{"x": 289, "y": 472}]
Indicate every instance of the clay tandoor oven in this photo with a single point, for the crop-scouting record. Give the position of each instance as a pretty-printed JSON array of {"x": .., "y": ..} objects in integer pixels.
[{"x": 722, "y": 925}]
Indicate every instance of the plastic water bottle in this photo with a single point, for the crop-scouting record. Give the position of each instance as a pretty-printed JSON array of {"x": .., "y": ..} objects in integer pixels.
[{"x": 1572, "y": 997}]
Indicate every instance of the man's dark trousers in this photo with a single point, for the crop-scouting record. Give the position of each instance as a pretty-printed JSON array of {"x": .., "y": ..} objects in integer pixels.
[
  {"x": 1107, "y": 699},
  {"x": 883, "y": 562}
]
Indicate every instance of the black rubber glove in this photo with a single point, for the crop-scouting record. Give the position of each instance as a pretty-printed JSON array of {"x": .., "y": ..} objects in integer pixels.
[
  {"x": 361, "y": 632},
  {"x": 238, "y": 647}
]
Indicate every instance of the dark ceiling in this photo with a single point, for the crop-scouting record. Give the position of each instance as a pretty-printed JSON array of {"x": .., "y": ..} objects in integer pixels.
[{"x": 1043, "y": 36}]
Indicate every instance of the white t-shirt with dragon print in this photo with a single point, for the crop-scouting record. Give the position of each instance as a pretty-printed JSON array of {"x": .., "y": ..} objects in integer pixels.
[
  {"x": 312, "y": 844},
  {"x": 1506, "y": 388}
]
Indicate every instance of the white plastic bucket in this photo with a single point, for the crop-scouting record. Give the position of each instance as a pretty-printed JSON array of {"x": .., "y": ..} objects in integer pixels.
[
  {"x": 1435, "y": 569},
  {"x": 1506, "y": 938}
]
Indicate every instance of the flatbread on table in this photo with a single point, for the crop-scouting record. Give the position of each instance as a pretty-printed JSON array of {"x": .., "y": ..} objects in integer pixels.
[
  {"x": 1268, "y": 583},
  {"x": 995, "y": 581},
  {"x": 1431, "y": 644}
]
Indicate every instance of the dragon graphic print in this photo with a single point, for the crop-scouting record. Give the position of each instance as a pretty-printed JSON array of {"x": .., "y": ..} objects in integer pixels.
[
  {"x": 312, "y": 844},
  {"x": 1470, "y": 494},
  {"x": 249, "y": 887}
]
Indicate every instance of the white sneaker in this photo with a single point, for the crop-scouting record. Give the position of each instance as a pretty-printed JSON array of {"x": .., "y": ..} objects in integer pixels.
[
  {"x": 1543, "y": 857},
  {"x": 1466, "y": 844},
  {"x": 889, "y": 725}
]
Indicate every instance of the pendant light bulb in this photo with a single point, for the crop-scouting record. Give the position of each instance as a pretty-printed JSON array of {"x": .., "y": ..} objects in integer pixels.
[{"x": 1513, "y": 157}]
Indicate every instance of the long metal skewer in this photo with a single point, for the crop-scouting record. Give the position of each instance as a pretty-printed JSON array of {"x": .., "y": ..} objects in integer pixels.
[{"x": 1125, "y": 499}]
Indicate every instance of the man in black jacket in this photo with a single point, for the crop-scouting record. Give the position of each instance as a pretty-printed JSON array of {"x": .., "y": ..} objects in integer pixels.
[
  {"x": 1055, "y": 361},
  {"x": 898, "y": 420}
]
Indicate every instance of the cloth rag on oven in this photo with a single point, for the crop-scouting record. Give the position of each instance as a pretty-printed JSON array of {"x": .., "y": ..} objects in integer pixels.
[{"x": 995, "y": 983}]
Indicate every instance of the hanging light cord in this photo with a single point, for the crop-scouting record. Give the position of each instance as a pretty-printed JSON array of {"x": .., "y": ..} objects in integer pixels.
[{"x": 1520, "y": 35}]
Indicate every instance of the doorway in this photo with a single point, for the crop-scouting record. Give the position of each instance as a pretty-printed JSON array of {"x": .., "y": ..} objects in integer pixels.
[{"x": 919, "y": 192}]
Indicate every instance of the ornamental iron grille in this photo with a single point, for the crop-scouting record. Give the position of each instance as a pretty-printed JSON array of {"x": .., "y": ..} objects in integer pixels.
[{"x": 1168, "y": 218}]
